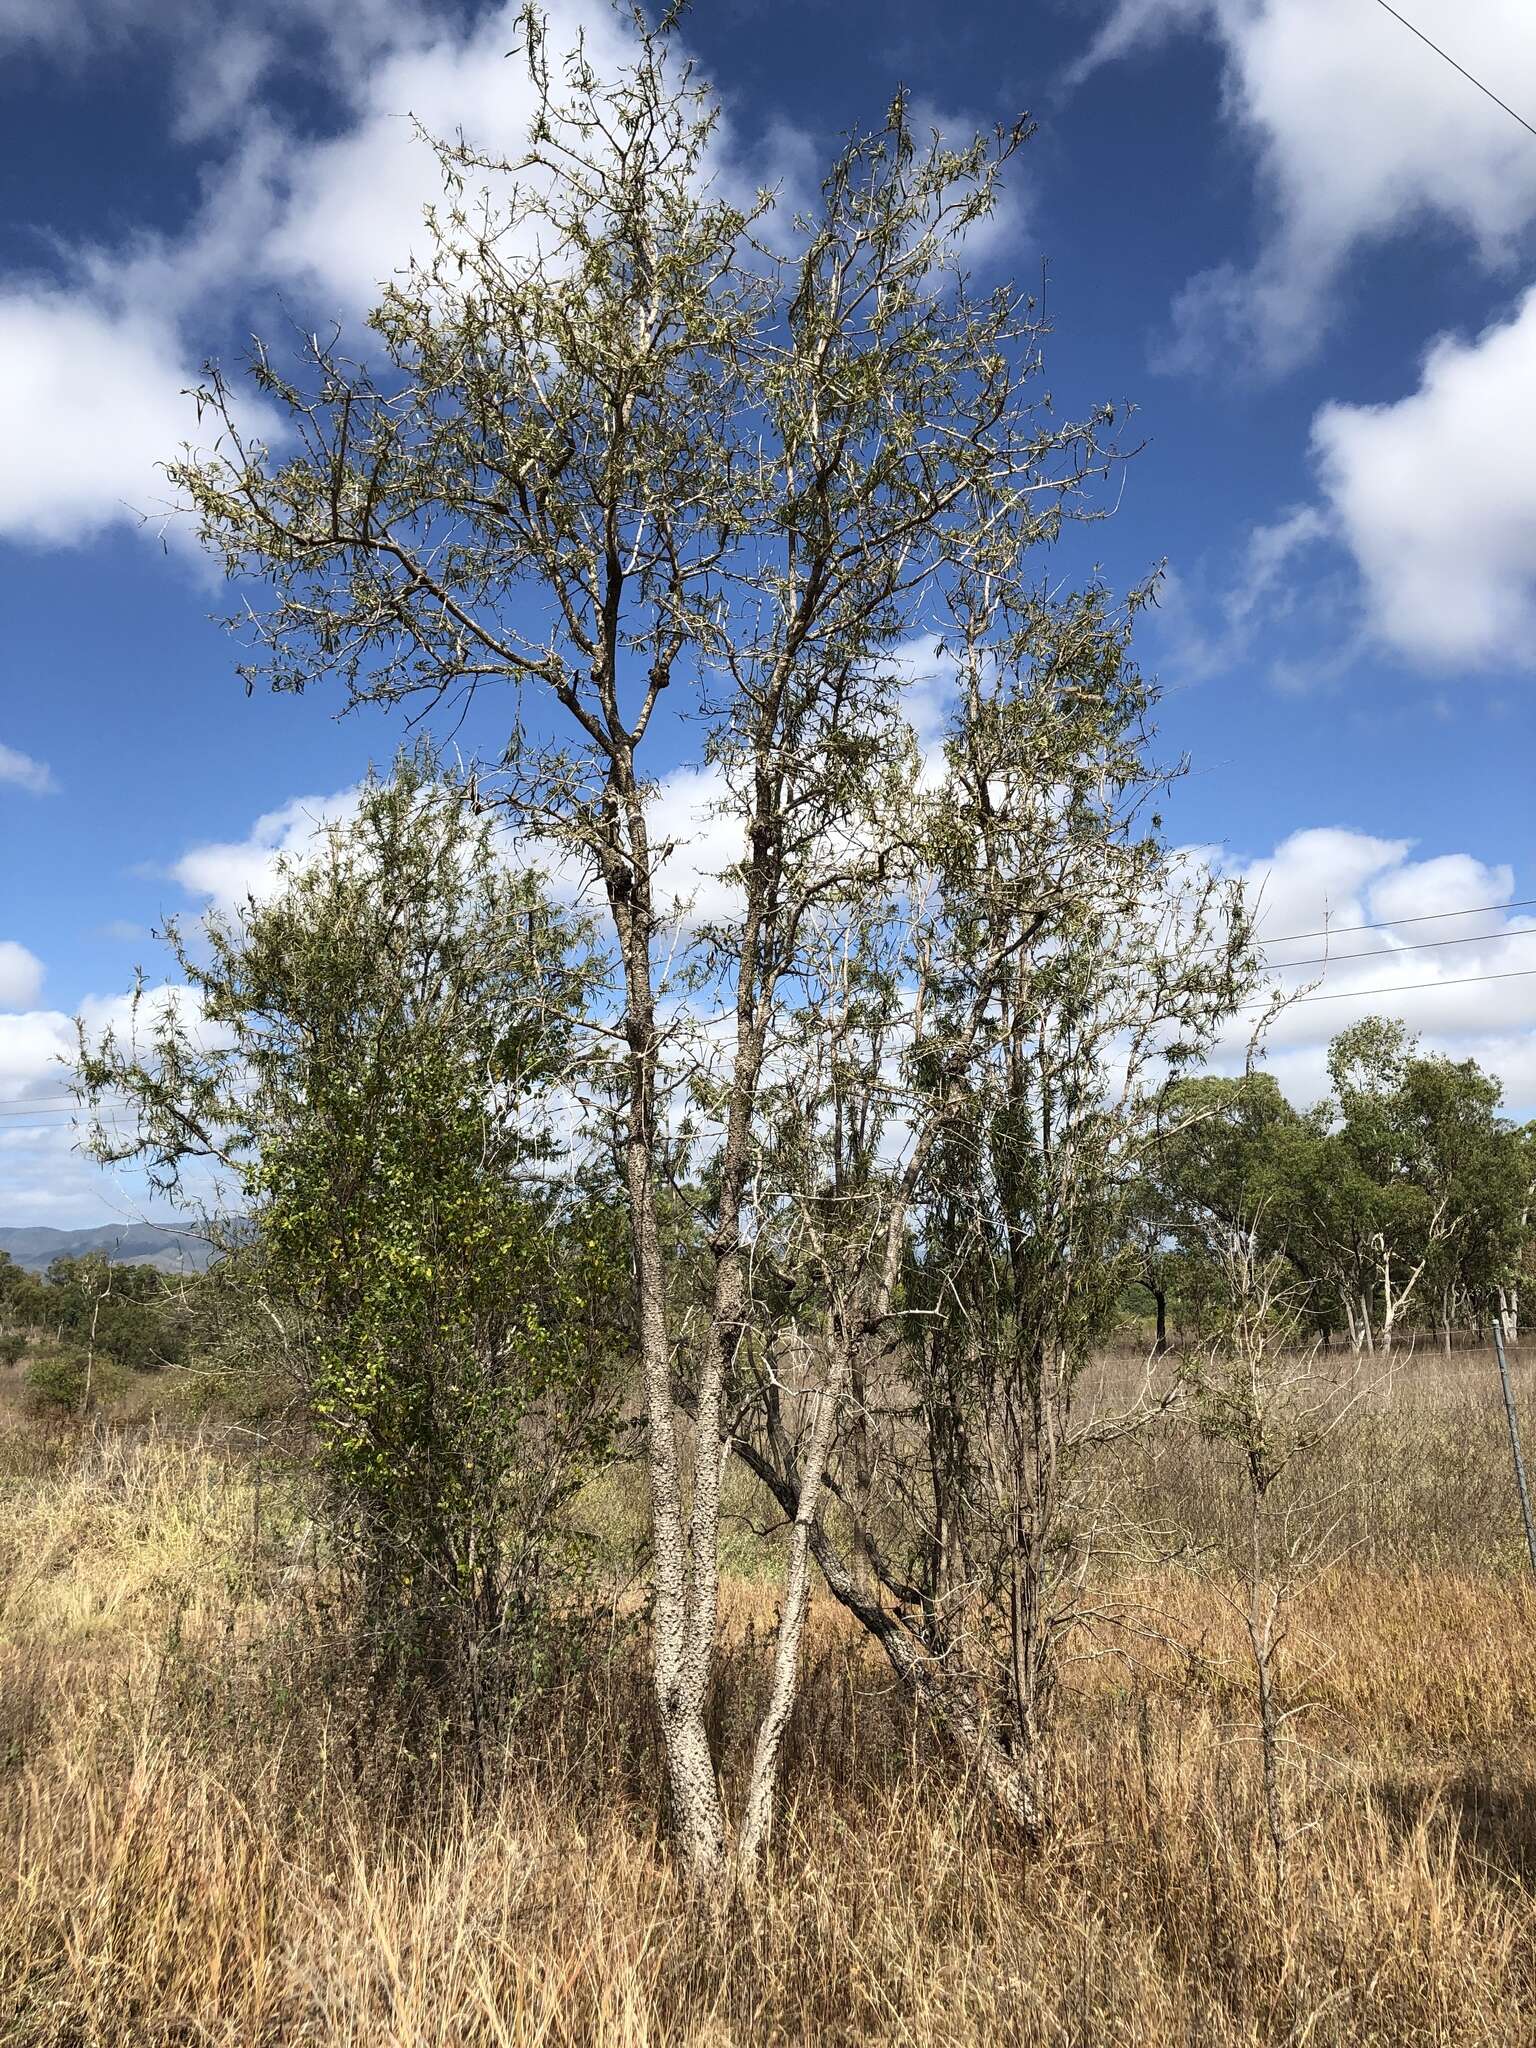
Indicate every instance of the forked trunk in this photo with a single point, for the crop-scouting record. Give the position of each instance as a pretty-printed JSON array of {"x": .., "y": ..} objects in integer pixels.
[
  {"x": 1013, "y": 1785},
  {"x": 757, "y": 1812}
]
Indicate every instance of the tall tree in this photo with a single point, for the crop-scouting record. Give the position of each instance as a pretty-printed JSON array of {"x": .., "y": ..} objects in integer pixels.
[
  {"x": 619, "y": 448},
  {"x": 964, "y": 1116}
]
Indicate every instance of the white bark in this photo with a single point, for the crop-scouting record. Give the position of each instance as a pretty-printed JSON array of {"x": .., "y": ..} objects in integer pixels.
[{"x": 757, "y": 1812}]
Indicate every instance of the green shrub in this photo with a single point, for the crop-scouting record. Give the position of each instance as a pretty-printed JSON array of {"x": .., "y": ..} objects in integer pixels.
[
  {"x": 64, "y": 1379},
  {"x": 13, "y": 1344}
]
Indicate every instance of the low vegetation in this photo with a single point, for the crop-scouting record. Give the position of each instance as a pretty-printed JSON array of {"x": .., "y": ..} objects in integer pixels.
[{"x": 208, "y": 1838}]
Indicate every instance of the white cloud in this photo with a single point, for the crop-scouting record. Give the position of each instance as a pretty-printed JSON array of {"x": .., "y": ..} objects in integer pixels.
[
  {"x": 22, "y": 772},
  {"x": 1336, "y": 878},
  {"x": 44, "y": 1177},
  {"x": 229, "y": 872},
  {"x": 89, "y": 404},
  {"x": 1360, "y": 132},
  {"x": 94, "y": 367},
  {"x": 1436, "y": 498},
  {"x": 1428, "y": 513},
  {"x": 95, "y": 363},
  {"x": 1451, "y": 882},
  {"x": 1203, "y": 627},
  {"x": 21, "y": 976},
  {"x": 1319, "y": 876},
  {"x": 32, "y": 1046}
]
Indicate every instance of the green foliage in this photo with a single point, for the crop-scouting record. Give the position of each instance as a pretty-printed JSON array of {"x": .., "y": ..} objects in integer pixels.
[
  {"x": 1405, "y": 1194},
  {"x": 132, "y": 1315},
  {"x": 378, "y": 1049},
  {"x": 64, "y": 1379}
]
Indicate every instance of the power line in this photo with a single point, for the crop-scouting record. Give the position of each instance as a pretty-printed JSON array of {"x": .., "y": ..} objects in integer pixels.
[
  {"x": 1417, "y": 988},
  {"x": 1391, "y": 952},
  {"x": 1486, "y": 91},
  {"x": 20, "y": 1105},
  {"x": 1386, "y": 924}
]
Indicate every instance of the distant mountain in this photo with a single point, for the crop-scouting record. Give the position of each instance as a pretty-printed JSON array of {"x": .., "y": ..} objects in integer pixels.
[{"x": 130, "y": 1244}]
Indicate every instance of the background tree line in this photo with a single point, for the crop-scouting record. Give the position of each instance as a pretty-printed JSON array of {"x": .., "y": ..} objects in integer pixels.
[{"x": 1401, "y": 1203}]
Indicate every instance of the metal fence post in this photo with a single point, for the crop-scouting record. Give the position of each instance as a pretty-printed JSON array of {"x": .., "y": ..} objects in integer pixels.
[{"x": 1514, "y": 1438}]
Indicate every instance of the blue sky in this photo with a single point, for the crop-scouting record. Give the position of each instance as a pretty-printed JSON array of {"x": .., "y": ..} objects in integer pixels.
[{"x": 1298, "y": 241}]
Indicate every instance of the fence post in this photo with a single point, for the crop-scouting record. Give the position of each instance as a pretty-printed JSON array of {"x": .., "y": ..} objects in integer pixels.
[{"x": 1514, "y": 1437}]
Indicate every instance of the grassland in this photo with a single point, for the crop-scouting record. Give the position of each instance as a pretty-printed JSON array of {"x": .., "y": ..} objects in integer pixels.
[{"x": 203, "y": 1840}]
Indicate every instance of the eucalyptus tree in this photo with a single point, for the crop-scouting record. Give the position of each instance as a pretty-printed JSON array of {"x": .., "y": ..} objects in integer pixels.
[{"x": 629, "y": 441}]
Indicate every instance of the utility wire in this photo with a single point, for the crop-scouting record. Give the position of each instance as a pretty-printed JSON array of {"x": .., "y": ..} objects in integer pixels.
[
  {"x": 1486, "y": 91},
  {"x": 1391, "y": 952},
  {"x": 1385, "y": 924},
  {"x": 20, "y": 1105},
  {"x": 58, "y": 1106},
  {"x": 1417, "y": 988}
]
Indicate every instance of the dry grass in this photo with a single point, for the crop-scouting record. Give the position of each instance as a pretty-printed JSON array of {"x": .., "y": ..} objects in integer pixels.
[{"x": 200, "y": 1846}]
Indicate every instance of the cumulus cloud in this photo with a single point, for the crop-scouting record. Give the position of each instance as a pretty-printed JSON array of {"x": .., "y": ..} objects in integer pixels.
[
  {"x": 97, "y": 359},
  {"x": 1435, "y": 497},
  {"x": 44, "y": 1176},
  {"x": 1360, "y": 132},
  {"x": 1471, "y": 998},
  {"x": 94, "y": 364},
  {"x": 89, "y": 405},
  {"x": 21, "y": 976},
  {"x": 1272, "y": 601},
  {"x": 37, "y": 1048},
  {"x": 230, "y": 873},
  {"x": 20, "y": 771},
  {"x": 1427, "y": 509}
]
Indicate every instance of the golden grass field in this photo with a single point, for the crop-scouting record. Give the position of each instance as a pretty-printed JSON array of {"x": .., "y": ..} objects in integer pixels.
[{"x": 203, "y": 1843}]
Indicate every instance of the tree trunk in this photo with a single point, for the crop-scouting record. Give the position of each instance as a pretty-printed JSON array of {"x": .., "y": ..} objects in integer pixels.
[
  {"x": 680, "y": 1672},
  {"x": 757, "y": 1810},
  {"x": 1012, "y": 1785},
  {"x": 686, "y": 1573}
]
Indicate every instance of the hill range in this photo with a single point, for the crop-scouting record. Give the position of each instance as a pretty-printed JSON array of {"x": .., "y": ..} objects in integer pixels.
[{"x": 130, "y": 1244}]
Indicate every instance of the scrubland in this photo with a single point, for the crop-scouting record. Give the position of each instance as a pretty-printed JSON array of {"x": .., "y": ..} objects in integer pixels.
[{"x": 205, "y": 1838}]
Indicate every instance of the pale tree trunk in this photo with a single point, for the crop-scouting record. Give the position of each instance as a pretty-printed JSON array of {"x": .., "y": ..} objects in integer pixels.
[
  {"x": 946, "y": 1698},
  {"x": 1262, "y": 1620},
  {"x": 1367, "y": 1338},
  {"x": 1509, "y": 1313},
  {"x": 1357, "y": 1320},
  {"x": 1011, "y": 1787},
  {"x": 1395, "y": 1302},
  {"x": 686, "y": 1572},
  {"x": 757, "y": 1810}
]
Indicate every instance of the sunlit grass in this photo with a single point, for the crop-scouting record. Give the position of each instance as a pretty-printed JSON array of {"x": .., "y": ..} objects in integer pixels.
[{"x": 203, "y": 1843}]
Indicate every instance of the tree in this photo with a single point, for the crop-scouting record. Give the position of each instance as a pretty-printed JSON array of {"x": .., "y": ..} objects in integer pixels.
[
  {"x": 618, "y": 447},
  {"x": 1435, "y": 1171},
  {"x": 372, "y": 1060},
  {"x": 1264, "y": 1391},
  {"x": 1404, "y": 1185},
  {"x": 960, "y": 1124}
]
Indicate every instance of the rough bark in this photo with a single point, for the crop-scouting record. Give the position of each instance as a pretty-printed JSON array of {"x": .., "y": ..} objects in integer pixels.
[
  {"x": 948, "y": 1701},
  {"x": 757, "y": 1810}
]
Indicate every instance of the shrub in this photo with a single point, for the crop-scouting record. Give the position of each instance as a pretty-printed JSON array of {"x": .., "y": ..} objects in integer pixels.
[{"x": 63, "y": 1379}]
